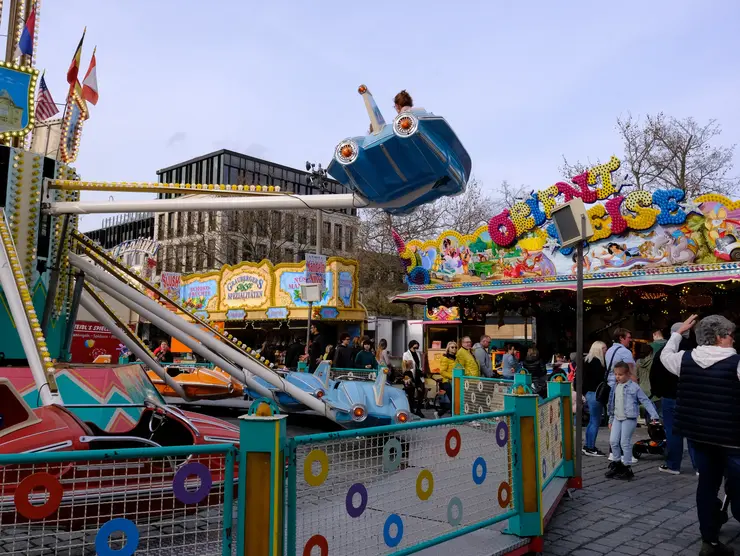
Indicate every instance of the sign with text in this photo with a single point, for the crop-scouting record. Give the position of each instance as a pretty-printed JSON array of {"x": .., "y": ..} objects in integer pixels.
[
  {"x": 245, "y": 287},
  {"x": 170, "y": 283},
  {"x": 315, "y": 268}
]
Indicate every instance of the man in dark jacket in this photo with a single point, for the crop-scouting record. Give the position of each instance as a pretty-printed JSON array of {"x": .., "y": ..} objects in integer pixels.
[
  {"x": 708, "y": 415},
  {"x": 343, "y": 354},
  {"x": 316, "y": 349}
]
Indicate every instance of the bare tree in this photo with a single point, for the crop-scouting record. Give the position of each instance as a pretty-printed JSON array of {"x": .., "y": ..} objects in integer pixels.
[{"x": 665, "y": 152}]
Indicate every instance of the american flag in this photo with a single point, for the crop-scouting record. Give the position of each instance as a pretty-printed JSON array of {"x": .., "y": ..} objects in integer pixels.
[{"x": 45, "y": 106}]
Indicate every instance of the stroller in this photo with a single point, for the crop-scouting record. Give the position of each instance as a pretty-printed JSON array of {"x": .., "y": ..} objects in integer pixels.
[{"x": 655, "y": 445}]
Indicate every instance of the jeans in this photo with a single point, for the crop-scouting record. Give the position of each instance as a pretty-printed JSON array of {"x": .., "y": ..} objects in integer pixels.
[
  {"x": 595, "y": 410},
  {"x": 444, "y": 406},
  {"x": 674, "y": 442},
  {"x": 713, "y": 463},
  {"x": 621, "y": 440}
]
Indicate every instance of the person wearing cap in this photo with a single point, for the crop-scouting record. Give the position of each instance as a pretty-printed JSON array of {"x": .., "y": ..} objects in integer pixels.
[
  {"x": 708, "y": 415},
  {"x": 664, "y": 384}
]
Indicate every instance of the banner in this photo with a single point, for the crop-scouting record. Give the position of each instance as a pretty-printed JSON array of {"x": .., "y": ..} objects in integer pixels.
[
  {"x": 315, "y": 268},
  {"x": 170, "y": 283}
]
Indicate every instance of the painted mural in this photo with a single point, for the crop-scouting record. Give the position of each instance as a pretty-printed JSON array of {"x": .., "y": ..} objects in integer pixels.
[{"x": 633, "y": 230}]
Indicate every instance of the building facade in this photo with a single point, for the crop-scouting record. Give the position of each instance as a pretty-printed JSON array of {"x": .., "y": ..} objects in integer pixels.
[
  {"x": 126, "y": 227},
  {"x": 200, "y": 241}
]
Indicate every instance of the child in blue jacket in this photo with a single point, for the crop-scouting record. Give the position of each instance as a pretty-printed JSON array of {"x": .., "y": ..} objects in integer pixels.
[{"x": 624, "y": 409}]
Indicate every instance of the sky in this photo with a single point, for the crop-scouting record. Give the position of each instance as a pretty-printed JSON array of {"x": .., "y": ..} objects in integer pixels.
[{"x": 522, "y": 83}]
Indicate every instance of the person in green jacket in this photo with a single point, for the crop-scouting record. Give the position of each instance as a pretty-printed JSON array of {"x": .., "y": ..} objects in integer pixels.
[
  {"x": 366, "y": 358},
  {"x": 466, "y": 359}
]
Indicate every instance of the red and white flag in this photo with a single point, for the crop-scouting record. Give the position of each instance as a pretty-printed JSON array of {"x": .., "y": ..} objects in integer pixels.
[
  {"x": 45, "y": 105},
  {"x": 90, "y": 83}
]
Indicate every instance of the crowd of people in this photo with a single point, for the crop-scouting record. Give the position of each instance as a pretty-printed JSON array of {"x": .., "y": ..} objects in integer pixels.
[{"x": 695, "y": 385}]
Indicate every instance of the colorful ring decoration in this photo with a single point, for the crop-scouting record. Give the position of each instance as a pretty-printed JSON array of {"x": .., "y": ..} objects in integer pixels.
[
  {"x": 451, "y": 519},
  {"x": 504, "y": 494},
  {"x": 393, "y": 541},
  {"x": 319, "y": 456},
  {"x": 117, "y": 525},
  {"x": 420, "y": 492},
  {"x": 357, "y": 488},
  {"x": 316, "y": 540},
  {"x": 544, "y": 468},
  {"x": 389, "y": 464},
  {"x": 24, "y": 507},
  {"x": 198, "y": 495},
  {"x": 480, "y": 386},
  {"x": 502, "y": 433},
  {"x": 472, "y": 397},
  {"x": 479, "y": 477},
  {"x": 452, "y": 434}
]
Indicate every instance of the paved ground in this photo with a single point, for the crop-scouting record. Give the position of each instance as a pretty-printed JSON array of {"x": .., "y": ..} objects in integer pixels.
[{"x": 654, "y": 514}]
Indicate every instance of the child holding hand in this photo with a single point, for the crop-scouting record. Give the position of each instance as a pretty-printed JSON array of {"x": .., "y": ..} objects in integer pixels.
[{"x": 624, "y": 408}]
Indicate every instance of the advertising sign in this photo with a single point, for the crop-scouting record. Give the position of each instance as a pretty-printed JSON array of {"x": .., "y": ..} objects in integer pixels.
[
  {"x": 290, "y": 283},
  {"x": 170, "y": 283},
  {"x": 198, "y": 294},
  {"x": 246, "y": 287},
  {"x": 93, "y": 343},
  {"x": 315, "y": 268}
]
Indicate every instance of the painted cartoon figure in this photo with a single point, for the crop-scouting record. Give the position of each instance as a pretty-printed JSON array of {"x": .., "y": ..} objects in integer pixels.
[
  {"x": 465, "y": 256},
  {"x": 718, "y": 225}
]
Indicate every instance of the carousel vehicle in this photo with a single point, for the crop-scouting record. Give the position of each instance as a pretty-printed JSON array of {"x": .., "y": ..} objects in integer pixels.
[
  {"x": 56, "y": 428},
  {"x": 356, "y": 402},
  {"x": 399, "y": 166},
  {"x": 198, "y": 382},
  {"x": 727, "y": 248}
]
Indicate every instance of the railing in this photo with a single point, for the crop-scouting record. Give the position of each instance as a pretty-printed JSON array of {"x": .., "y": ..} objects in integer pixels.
[
  {"x": 166, "y": 501},
  {"x": 550, "y": 438},
  {"x": 353, "y": 374},
  {"x": 401, "y": 488},
  {"x": 481, "y": 395}
]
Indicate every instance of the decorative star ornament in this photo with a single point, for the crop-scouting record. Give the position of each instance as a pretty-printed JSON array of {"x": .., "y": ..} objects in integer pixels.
[
  {"x": 690, "y": 206},
  {"x": 552, "y": 244}
]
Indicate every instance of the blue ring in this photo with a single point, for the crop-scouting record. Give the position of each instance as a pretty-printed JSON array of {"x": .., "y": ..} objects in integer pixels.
[
  {"x": 393, "y": 541},
  {"x": 122, "y": 525},
  {"x": 479, "y": 462}
]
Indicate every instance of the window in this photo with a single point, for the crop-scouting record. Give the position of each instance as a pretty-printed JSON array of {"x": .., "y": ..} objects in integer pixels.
[
  {"x": 180, "y": 255},
  {"x": 212, "y": 220},
  {"x": 350, "y": 238},
  {"x": 233, "y": 218},
  {"x": 180, "y": 224},
  {"x": 189, "y": 249},
  {"x": 160, "y": 227},
  {"x": 200, "y": 256},
  {"x": 201, "y": 221},
  {"x": 276, "y": 222},
  {"x": 261, "y": 252},
  {"x": 170, "y": 224},
  {"x": 289, "y": 226},
  {"x": 211, "y": 253},
  {"x": 327, "y": 234},
  {"x": 302, "y": 229},
  {"x": 289, "y": 255},
  {"x": 232, "y": 252},
  {"x": 338, "y": 237},
  {"x": 247, "y": 254},
  {"x": 191, "y": 226},
  {"x": 312, "y": 231}
]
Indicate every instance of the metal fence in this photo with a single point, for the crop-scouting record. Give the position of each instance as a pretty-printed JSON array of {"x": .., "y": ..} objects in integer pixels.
[
  {"x": 483, "y": 395},
  {"x": 158, "y": 501},
  {"x": 398, "y": 488},
  {"x": 353, "y": 374},
  {"x": 550, "y": 437}
]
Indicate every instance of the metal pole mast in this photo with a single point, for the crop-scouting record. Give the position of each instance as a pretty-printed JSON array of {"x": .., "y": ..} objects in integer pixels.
[{"x": 579, "y": 353}]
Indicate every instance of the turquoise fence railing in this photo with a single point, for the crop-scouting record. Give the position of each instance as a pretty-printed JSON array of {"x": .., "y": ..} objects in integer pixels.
[
  {"x": 353, "y": 374},
  {"x": 170, "y": 500},
  {"x": 479, "y": 394},
  {"x": 402, "y": 488}
]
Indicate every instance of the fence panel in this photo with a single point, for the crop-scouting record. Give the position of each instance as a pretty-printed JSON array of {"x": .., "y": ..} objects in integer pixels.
[
  {"x": 162, "y": 501},
  {"x": 482, "y": 395},
  {"x": 550, "y": 436},
  {"x": 398, "y": 488},
  {"x": 353, "y": 374}
]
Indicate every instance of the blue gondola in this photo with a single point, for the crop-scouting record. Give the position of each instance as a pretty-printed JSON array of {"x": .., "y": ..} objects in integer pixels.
[
  {"x": 412, "y": 161},
  {"x": 355, "y": 403}
]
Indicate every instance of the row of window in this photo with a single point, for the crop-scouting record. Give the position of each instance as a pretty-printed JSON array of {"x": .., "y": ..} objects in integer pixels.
[
  {"x": 267, "y": 224},
  {"x": 114, "y": 235}
]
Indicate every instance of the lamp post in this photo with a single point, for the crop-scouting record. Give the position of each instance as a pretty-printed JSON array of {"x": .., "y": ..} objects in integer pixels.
[{"x": 318, "y": 179}]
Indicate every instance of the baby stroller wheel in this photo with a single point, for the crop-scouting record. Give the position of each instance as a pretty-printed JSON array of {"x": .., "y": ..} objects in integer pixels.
[{"x": 636, "y": 454}]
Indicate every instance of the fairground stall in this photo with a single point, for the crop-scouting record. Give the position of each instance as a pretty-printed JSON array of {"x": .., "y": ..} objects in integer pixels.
[
  {"x": 259, "y": 302},
  {"x": 654, "y": 257}
]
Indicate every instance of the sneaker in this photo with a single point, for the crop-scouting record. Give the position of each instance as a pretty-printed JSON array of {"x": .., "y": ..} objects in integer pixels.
[
  {"x": 592, "y": 452},
  {"x": 715, "y": 549},
  {"x": 625, "y": 474},
  {"x": 436, "y": 414},
  {"x": 614, "y": 468},
  {"x": 665, "y": 469}
]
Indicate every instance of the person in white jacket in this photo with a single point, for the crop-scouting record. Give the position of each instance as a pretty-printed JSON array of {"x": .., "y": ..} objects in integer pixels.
[{"x": 708, "y": 415}]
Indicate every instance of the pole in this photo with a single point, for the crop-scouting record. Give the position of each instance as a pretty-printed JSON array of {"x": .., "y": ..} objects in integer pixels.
[
  {"x": 72, "y": 318},
  {"x": 308, "y": 332},
  {"x": 319, "y": 231},
  {"x": 579, "y": 352},
  {"x": 54, "y": 279},
  {"x": 12, "y": 23}
]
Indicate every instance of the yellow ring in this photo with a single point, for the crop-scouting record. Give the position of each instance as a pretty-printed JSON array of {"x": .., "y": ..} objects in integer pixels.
[
  {"x": 308, "y": 476},
  {"x": 420, "y": 492}
]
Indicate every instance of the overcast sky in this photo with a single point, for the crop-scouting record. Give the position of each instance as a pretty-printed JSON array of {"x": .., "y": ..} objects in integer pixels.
[{"x": 522, "y": 83}]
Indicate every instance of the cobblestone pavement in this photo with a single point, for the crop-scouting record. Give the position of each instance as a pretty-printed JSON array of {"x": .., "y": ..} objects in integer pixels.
[{"x": 654, "y": 514}]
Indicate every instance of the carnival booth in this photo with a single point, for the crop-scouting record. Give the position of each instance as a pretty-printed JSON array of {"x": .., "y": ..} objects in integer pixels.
[
  {"x": 654, "y": 257},
  {"x": 257, "y": 302}
]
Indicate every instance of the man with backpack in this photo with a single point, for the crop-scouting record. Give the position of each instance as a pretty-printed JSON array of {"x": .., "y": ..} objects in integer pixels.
[{"x": 664, "y": 384}]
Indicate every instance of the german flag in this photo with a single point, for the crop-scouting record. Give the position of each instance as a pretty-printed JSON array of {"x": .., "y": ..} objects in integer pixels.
[{"x": 74, "y": 67}]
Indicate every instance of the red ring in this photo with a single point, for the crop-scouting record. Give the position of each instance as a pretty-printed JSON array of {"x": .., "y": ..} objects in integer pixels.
[
  {"x": 316, "y": 540},
  {"x": 24, "y": 506},
  {"x": 452, "y": 452},
  {"x": 504, "y": 487}
]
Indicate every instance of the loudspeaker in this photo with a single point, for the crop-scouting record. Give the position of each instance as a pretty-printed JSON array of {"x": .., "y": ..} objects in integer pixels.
[{"x": 568, "y": 218}]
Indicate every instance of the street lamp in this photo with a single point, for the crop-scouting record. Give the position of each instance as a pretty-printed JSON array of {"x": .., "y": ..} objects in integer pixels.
[
  {"x": 318, "y": 179},
  {"x": 574, "y": 227}
]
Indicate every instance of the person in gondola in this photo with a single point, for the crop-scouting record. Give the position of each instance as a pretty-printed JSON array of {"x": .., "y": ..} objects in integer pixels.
[{"x": 403, "y": 102}]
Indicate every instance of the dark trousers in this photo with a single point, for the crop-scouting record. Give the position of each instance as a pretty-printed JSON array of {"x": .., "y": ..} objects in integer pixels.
[
  {"x": 713, "y": 463},
  {"x": 443, "y": 406},
  {"x": 674, "y": 441},
  {"x": 415, "y": 394}
]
